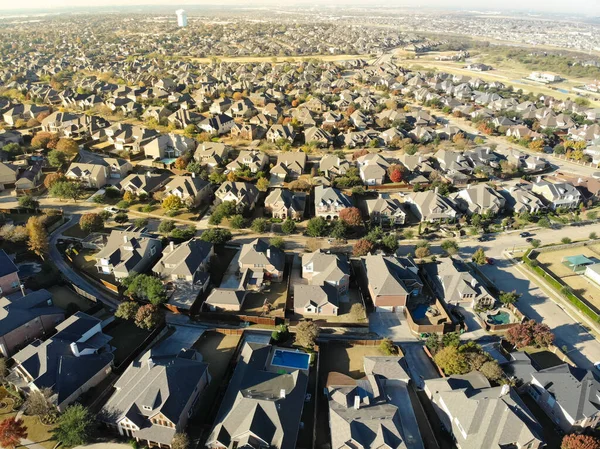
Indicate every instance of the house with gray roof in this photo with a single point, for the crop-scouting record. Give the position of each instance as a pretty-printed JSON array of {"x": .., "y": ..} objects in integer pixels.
[
  {"x": 431, "y": 206},
  {"x": 570, "y": 396},
  {"x": 454, "y": 284},
  {"x": 8, "y": 176},
  {"x": 169, "y": 146},
  {"x": 283, "y": 204},
  {"x": 521, "y": 199},
  {"x": 78, "y": 357},
  {"x": 191, "y": 189},
  {"x": 316, "y": 299},
  {"x": 372, "y": 168},
  {"x": 184, "y": 261},
  {"x": 557, "y": 194},
  {"x": 329, "y": 202},
  {"x": 91, "y": 176},
  {"x": 263, "y": 404},
  {"x": 290, "y": 165},
  {"x": 320, "y": 268},
  {"x": 9, "y": 274},
  {"x": 144, "y": 184},
  {"x": 372, "y": 412},
  {"x": 480, "y": 416},
  {"x": 386, "y": 210},
  {"x": 156, "y": 396},
  {"x": 127, "y": 252},
  {"x": 333, "y": 165},
  {"x": 252, "y": 159},
  {"x": 391, "y": 281},
  {"x": 243, "y": 194},
  {"x": 479, "y": 199},
  {"x": 212, "y": 154},
  {"x": 262, "y": 261},
  {"x": 227, "y": 299},
  {"x": 26, "y": 318}
]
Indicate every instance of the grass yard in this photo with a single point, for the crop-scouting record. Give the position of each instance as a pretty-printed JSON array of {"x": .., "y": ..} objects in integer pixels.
[
  {"x": 76, "y": 232},
  {"x": 581, "y": 285},
  {"x": 276, "y": 294},
  {"x": 63, "y": 297},
  {"x": 126, "y": 338},
  {"x": 217, "y": 350}
]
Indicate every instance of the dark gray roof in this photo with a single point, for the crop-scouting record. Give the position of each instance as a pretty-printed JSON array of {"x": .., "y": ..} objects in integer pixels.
[
  {"x": 7, "y": 266},
  {"x": 15, "y": 313}
]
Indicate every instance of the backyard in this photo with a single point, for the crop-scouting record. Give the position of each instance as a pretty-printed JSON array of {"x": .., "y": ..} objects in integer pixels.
[
  {"x": 67, "y": 299},
  {"x": 275, "y": 294},
  {"x": 552, "y": 261},
  {"x": 126, "y": 338}
]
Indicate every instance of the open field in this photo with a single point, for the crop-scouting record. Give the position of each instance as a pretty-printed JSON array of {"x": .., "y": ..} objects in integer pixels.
[{"x": 552, "y": 262}]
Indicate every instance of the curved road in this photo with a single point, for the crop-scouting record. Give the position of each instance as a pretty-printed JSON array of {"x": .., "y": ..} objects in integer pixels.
[{"x": 69, "y": 273}]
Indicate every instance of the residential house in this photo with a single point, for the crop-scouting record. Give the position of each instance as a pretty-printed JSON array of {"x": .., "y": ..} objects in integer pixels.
[
  {"x": 226, "y": 299},
  {"x": 525, "y": 161},
  {"x": 144, "y": 184},
  {"x": 127, "y": 252},
  {"x": 169, "y": 146},
  {"x": 568, "y": 395},
  {"x": 91, "y": 176},
  {"x": 277, "y": 132},
  {"x": 212, "y": 154},
  {"x": 190, "y": 189},
  {"x": 184, "y": 261},
  {"x": 329, "y": 202},
  {"x": 479, "y": 415},
  {"x": 431, "y": 206},
  {"x": 9, "y": 275},
  {"x": 23, "y": 112},
  {"x": 290, "y": 165},
  {"x": 559, "y": 194},
  {"x": 455, "y": 285},
  {"x": 333, "y": 165},
  {"x": 8, "y": 176},
  {"x": 156, "y": 396},
  {"x": 372, "y": 168},
  {"x": 480, "y": 199},
  {"x": 316, "y": 300},
  {"x": 219, "y": 124},
  {"x": 372, "y": 412},
  {"x": 262, "y": 261},
  {"x": 75, "y": 359},
  {"x": 386, "y": 210},
  {"x": 252, "y": 159},
  {"x": 391, "y": 281},
  {"x": 247, "y": 131},
  {"x": 320, "y": 268},
  {"x": 263, "y": 403},
  {"x": 520, "y": 199},
  {"x": 283, "y": 204},
  {"x": 244, "y": 194},
  {"x": 29, "y": 178},
  {"x": 26, "y": 318}
]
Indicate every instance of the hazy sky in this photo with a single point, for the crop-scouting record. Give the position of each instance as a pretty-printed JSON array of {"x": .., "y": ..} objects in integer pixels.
[{"x": 584, "y": 7}]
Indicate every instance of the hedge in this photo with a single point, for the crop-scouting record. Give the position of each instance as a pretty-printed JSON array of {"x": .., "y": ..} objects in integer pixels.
[{"x": 558, "y": 286}]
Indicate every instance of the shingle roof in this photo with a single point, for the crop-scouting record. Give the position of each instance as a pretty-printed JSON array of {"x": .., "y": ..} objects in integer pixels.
[{"x": 7, "y": 266}]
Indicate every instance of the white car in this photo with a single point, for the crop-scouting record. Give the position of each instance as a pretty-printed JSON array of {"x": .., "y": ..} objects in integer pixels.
[{"x": 111, "y": 209}]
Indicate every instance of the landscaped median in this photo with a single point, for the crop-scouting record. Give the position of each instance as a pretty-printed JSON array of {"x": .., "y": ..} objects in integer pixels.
[{"x": 530, "y": 260}]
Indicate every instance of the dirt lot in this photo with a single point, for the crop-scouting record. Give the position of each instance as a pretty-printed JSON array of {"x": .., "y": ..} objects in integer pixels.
[{"x": 580, "y": 284}]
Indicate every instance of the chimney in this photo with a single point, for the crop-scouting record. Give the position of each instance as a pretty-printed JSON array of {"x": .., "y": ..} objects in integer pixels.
[
  {"x": 172, "y": 246},
  {"x": 538, "y": 179},
  {"x": 505, "y": 389},
  {"x": 268, "y": 253},
  {"x": 473, "y": 282},
  {"x": 357, "y": 402},
  {"x": 125, "y": 238},
  {"x": 282, "y": 393}
]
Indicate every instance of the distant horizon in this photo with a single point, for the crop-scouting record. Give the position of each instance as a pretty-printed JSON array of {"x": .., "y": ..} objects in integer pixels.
[{"x": 586, "y": 8}]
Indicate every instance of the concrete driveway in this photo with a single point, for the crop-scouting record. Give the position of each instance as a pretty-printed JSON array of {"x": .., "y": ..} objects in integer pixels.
[
  {"x": 390, "y": 325},
  {"x": 420, "y": 368}
]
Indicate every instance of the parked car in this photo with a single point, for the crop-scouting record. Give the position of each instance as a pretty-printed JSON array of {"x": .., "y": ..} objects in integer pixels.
[
  {"x": 525, "y": 234},
  {"x": 529, "y": 239},
  {"x": 111, "y": 209}
]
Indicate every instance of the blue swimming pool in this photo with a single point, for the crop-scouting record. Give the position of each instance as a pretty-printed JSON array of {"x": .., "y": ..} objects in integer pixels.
[
  {"x": 419, "y": 312},
  {"x": 290, "y": 359},
  {"x": 168, "y": 161}
]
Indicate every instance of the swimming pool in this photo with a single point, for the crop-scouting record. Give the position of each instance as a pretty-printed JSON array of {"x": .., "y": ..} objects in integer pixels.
[
  {"x": 290, "y": 359},
  {"x": 499, "y": 318},
  {"x": 168, "y": 161},
  {"x": 418, "y": 313}
]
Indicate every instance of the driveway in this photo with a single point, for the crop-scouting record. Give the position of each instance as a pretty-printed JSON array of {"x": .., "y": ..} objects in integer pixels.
[
  {"x": 390, "y": 325},
  {"x": 397, "y": 392},
  {"x": 420, "y": 367}
]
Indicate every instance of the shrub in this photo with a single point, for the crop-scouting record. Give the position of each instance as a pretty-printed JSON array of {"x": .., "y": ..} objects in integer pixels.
[{"x": 387, "y": 347}]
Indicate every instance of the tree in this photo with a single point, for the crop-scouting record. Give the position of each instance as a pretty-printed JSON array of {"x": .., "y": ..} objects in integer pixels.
[
  {"x": 52, "y": 178},
  {"x": 593, "y": 236},
  {"x": 450, "y": 247},
  {"x": 121, "y": 217},
  {"x": 11, "y": 433},
  {"x": 357, "y": 312},
  {"x": 507, "y": 298},
  {"x": 216, "y": 236},
  {"x": 566, "y": 240},
  {"x": 390, "y": 242},
  {"x": 544, "y": 222},
  {"x": 288, "y": 226},
  {"x": 451, "y": 361},
  {"x": 128, "y": 196},
  {"x": 140, "y": 222},
  {"x": 66, "y": 190},
  {"x": 422, "y": 251},
  {"x": 259, "y": 225},
  {"x": 166, "y": 226},
  {"x": 237, "y": 221},
  {"x": 351, "y": 216},
  {"x": 148, "y": 317},
  {"x": 57, "y": 158},
  {"x": 338, "y": 230},
  {"x": 451, "y": 339},
  {"x": 38, "y": 237},
  {"x": 91, "y": 222},
  {"x": 387, "y": 347},
  {"x": 530, "y": 333},
  {"x": 306, "y": 334},
  {"x": 396, "y": 172},
  {"x": 74, "y": 426},
  {"x": 172, "y": 203},
  {"x": 29, "y": 202},
  {"x": 433, "y": 343},
  {"x": 262, "y": 184},
  {"x": 362, "y": 247},
  {"x": 180, "y": 441},
  {"x": 127, "y": 310},
  {"x": 14, "y": 233},
  {"x": 39, "y": 403},
  {"x": 277, "y": 242},
  {"x": 536, "y": 243},
  {"x": 316, "y": 227},
  {"x": 12, "y": 150},
  {"x": 575, "y": 441},
  {"x": 67, "y": 145},
  {"x": 491, "y": 370},
  {"x": 479, "y": 257},
  {"x": 41, "y": 140},
  {"x": 145, "y": 287}
]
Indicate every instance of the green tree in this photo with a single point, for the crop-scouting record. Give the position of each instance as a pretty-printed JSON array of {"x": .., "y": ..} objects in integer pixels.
[
  {"x": 172, "y": 203},
  {"x": 338, "y": 230},
  {"x": 390, "y": 242},
  {"x": 451, "y": 361},
  {"x": 593, "y": 236},
  {"x": 66, "y": 190},
  {"x": 544, "y": 222},
  {"x": 492, "y": 371},
  {"x": 166, "y": 226},
  {"x": 316, "y": 227},
  {"x": 127, "y": 310},
  {"x": 288, "y": 226},
  {"x": 450, "y": 247},
  {"x": 262, "y": 184},
  {"x": 451, "y": 339},
  {"x": 216, "y": 236},
  {"x": 387, "y": 347},
  {"x": 29, "y": 202},
  {"x": 145, "y": 287},
  {"x": 57, "y": 158},
  {"x": 259, "y": 225},
  {"x": 217, "y": 178},
  {"x": 74, "y": 426},
  {"x": 237, "y": 221},
  {"x": 277, "y": 242},
  {"x": 479, "y": 257},
  {"x": 566, "y": 240},
  {"x": 12, "y": 150},
  {"x": 536, "y": 243},
  {"x": 508, "y": 298}
]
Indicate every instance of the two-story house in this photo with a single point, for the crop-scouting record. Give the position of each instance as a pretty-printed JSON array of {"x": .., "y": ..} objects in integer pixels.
[
  {"x": 91, "y": 176},
  {"x": 259, "y": 262},
  {"x": 243, "y": 194},
  {"x": 329, "y": 202},
  {"x": 190, "y": 189},
  {"x": 560, "y": 194},
  {"x": 386, "y": 210},
  {"x": 252, "y": 159},
  {"x": 283, "y": 204}
]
